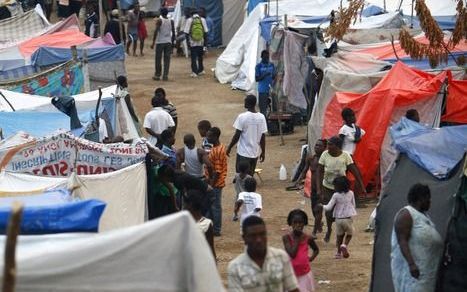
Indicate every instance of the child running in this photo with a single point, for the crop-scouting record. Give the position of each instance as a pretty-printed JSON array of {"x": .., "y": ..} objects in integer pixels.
[
  {"x": 296, "y": 244},
  {"x": 250, "y": 200},
  {"x": 343, "y": 202},
  {"x": 239, "y": 180}
]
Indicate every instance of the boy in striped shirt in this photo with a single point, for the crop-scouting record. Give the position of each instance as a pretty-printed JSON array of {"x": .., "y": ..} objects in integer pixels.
[{"x": 218, "y": 158}]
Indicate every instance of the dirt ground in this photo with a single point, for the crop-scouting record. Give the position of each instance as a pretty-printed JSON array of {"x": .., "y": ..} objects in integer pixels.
[{"x": 205, "y": 98}]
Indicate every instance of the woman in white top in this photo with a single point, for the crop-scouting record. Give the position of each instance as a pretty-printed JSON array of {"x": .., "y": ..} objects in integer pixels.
[
  {"x": 350, "y": 133},
  {"x": 343, "y": 202},
  {"x": 193, "y": 203},
  {"x": 416, "y": 246}
]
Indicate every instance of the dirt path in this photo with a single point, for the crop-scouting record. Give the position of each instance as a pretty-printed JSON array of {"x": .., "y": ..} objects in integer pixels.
[{"x": 205, "y": 98}]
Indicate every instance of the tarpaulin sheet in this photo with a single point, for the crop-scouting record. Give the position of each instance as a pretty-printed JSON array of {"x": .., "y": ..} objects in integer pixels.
[
  {"x": 23, "y": 26},
  {"x": 123, "y": 191},
  {"x": 62, "y": 39},
  {"x": 167, "y": 254},
  {"x": 456, "y": 104},
  {"x": 401, "y": 87},
  {"x": 436, "y": 150},
  {"x": 60, "y": 217},
  {"x": 385, "y": 50},
  {"x": 436, "y": 7},
  {"x": 63, "y": 80},
  {"x": 405, "y": 128},
  {"x": 406, "y": 174},
  {"x": 232, "y": 19},
  {"x": 46, "y": 56}
]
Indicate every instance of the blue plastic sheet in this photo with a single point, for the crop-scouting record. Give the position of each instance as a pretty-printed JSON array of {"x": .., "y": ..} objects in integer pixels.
[
  {"x": 436, "y": 150},
  {"x": 38, "y": 124},
  {"x": 79, "y": 216},
  {"x": 424, "y": 64},
  {"x": 405, "y": 128},
  {"x": 252, "y": 4},
  {"x": 46, "y": 56},
  {"x": 372, "y": 10}
]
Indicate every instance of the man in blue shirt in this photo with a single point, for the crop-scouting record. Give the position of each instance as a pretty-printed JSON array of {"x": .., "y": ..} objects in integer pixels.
[{"x": 264, "y": 75}]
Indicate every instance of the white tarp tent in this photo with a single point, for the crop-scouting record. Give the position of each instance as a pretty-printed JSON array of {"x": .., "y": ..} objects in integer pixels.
[
  {"x": 437, "y": 7},
  {"x": 124, "y": 192},
  {"x": 153, "y": 256},
  {"x": 237, "y": 63}
]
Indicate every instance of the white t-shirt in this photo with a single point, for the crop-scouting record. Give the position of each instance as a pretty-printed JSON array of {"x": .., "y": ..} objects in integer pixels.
[
  {"x": 187, "y": 30},
  {"x": 252, "y": 125},
  {"x": 102, "y": 130},
  {"x": 251, "y": 202},
  {"x": 349, "y": 138},
  {"x": 157, "y": 120}
]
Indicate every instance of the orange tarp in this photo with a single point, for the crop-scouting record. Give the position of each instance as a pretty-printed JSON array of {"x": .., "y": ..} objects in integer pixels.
[
  {"x": 386, "y": 51},
  {"x": 61, "y": 39},
  {"x": 456, "y": 104},
  {"x": 402, "y": 86}
]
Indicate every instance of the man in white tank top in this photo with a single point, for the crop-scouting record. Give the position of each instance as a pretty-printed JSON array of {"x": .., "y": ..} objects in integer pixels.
[
  {"x": 164, "y": 38},
  {"x": 194, "y": 158}
]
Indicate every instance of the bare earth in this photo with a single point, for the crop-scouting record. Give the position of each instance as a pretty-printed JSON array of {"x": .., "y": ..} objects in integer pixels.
[{"x": 205, "y": 98}]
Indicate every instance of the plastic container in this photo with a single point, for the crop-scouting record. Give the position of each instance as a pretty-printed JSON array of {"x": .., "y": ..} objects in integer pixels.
[{"x": 282, "y": 173}]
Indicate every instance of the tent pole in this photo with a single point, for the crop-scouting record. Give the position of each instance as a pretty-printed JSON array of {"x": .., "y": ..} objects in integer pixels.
[
  {"x": 411, "y": 16},
  {"x": 400, "y": 5},
  {"x": 9, "y": 270},
  {"x": 384, "y": 5}
]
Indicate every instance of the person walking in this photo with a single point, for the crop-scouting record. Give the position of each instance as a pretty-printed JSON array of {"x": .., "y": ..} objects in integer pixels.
[
  {"x": 157, "y": 120},
  {"x": 250, "y": 133},
  {"x": 114, "y": 28},
  {"x": 260, "y": 268},
  {"x": 133, "y": 19},
  {"x": 194, "y": 158},
  {"x": 196, "y": 30},
  {"x": 163, "y": 39}
]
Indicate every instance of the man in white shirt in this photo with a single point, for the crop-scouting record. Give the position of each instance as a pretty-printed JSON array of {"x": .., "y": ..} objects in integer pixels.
[
  {"x": 196, "y": 30},
  {"x": 250, "y": 133},
  {"x": 157, "y": 120}
]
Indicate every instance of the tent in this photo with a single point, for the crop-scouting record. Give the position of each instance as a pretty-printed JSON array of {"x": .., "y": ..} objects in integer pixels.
[
  {"x": 123, "y": 191},
  {"x": 39, "y": 117},
  {"x": 237, "y": 63},
  {"x": 385, "y": 51},
  {"x": 401, "y": 89},
  {"x": 407, "y": 173},
  {"x": 154, "y": 255},
  {"x": 23, "y": 26}
]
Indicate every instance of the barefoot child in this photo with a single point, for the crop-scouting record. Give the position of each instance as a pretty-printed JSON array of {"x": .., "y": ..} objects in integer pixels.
[
  {"x": 296, "y": 245},
  {"x": 142, "y": 32},
  {"x": 343, "y": 202},
  {"x": 239, "y": 180},
  {"x": 250, "y": 200}
]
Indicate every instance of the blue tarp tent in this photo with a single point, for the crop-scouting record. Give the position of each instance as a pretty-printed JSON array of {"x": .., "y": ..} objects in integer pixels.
[
  {"x": 46, "y": 56},
  {"x": 53, "y": 212},
  {"x": 435, "y": 150}
]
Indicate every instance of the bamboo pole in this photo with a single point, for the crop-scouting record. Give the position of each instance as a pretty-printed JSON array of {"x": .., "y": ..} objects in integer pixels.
[{"x": 9, "y": 272}]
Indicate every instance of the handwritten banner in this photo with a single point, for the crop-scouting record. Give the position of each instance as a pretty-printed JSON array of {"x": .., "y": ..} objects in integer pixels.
[{"x": 62, "y": 154}]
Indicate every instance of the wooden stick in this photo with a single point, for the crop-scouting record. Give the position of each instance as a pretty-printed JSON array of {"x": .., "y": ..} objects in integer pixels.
[
  {"x": 9, "y": 271},
  {"x": 393, "y": 48}
]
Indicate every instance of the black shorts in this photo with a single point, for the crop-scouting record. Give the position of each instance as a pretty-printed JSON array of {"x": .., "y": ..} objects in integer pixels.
[{"x": 251, "y": 161}]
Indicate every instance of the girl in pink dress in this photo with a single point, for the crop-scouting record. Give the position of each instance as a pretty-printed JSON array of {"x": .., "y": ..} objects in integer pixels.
[
  {"x": 297, "y": 244},
  {"x": 142, "y": 32}
]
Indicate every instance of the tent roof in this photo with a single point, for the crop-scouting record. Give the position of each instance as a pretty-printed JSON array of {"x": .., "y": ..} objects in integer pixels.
[
  {"x": 437, "y": 7},
  {"x": 402, "y": 86},
  {"x": 130, "y": 259}
]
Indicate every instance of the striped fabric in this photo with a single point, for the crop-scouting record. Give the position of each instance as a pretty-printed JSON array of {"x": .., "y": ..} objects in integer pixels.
[
  {"x": 218, "y": 158},
  {"x": 19, "y": 28}
]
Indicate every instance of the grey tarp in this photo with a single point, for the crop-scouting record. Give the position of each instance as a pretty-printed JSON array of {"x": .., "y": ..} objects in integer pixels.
[{"x": 405, "y": 175}]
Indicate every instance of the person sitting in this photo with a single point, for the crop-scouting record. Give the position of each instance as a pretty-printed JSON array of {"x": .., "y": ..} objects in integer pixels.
[{"x": 412, "y": 114}]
